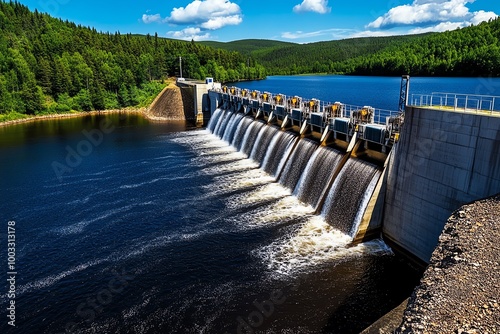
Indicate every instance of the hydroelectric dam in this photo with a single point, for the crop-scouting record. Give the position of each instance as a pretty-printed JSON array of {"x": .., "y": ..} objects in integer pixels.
[{"x": 370, "y": 173}]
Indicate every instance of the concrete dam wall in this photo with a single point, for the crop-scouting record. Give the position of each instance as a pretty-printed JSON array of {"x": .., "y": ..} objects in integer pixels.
[
  {"x": 431, "y": 164},
  {"x": 444, "y": 159}
]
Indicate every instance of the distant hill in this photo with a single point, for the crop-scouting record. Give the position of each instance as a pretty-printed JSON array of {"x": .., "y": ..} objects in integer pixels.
[
  {"x": 292, "y": 58},
  {"x": 250, "y": 47},
  {"x": 470, "y": 51}
]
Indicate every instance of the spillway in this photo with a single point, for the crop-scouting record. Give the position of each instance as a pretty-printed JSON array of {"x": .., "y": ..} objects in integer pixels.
[
  {"x": 349, "y": 195},
  {"x": 317, "y": 174},
  {"x": 266, "y": 135},
  {"x": 304, "y": 167},
  {"x": 278, "y": 151},
  {"x": 232, "y": 127},
  {"x": 297, "y": 163},
  {"x": 250, "y": 137}
]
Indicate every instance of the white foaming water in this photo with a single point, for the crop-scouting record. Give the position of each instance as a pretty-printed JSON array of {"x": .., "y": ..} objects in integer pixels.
[
  {"x": 299, "y": 188},
  {"x": 268, "y": 192},
  {"x": 53, "y": 279},
  {"x": 283, "y": 211},
  {"x": 311, "y": 245},
  {"x": 247, "y": 134},
  {"x": 220, "y": 121},
  {"x": 241, "y": 177}
]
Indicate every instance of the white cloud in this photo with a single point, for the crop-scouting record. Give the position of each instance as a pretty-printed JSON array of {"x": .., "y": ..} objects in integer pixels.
[
  {"x": 199, "y": 16},
  {"x": 219, "y": 22},
  {"x": 436, "y": 14},
  {"x": 317, "y": 6},
  {"x": 146, "y": 18},
  {"x": 208, "y": 13},
  {"x": 482, "y": 16},
  {"x": 189, "y": 33},
  {"x": 443, "y": 26},
  {"x": 331, "y": 33},
  {"x": 369, "y": 33}
]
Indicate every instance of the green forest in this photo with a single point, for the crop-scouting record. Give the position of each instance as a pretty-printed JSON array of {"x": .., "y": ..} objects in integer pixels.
[
  {"x": 48, "y": 65},
  {"x": 471, "y": 51},
  {"x": 320, "y": 57}
]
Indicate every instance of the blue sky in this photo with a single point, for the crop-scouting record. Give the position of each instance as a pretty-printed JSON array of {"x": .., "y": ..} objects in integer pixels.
[{"x": 299, "y": 21}]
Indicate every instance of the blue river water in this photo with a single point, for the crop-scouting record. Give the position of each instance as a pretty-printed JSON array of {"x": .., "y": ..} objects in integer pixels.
[
  {"x": 378, "y": 92},
  {"x": 124, "y": 225}
]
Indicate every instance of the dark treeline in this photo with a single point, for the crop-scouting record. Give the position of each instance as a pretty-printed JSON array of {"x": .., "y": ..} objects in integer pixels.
[{"x": 47, "y": 64}]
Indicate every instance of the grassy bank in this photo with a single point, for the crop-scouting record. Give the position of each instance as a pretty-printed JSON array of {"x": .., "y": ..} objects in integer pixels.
[
  {"x": 68, "y": 107},
  {"x": 16, "y": 118}
]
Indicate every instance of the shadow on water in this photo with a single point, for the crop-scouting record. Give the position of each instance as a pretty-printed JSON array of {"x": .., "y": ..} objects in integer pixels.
[{"x": 380, "y": 289}]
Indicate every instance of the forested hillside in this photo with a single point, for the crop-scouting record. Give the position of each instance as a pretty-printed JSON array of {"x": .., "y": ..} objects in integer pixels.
[
  {"x": 472, "y": 51},
  {"x": 250, "y": 47},
  {"x": 48, "y": 65},
  {"x": 319, "y": 57}
]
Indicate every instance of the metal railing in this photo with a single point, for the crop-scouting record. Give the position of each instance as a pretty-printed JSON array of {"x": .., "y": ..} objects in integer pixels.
[
  {"x": 457, "y": 102},
  {"x": 380, "y": 115}
]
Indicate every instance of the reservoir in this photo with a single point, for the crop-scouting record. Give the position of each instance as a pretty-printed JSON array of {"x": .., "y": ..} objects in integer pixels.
[{"x": 126, "y": 225}]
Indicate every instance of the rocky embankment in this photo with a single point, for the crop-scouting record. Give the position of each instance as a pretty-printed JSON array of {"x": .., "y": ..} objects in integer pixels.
[
  {"x": 460, "y": 290},
  {"x": 172, "y": 104}
]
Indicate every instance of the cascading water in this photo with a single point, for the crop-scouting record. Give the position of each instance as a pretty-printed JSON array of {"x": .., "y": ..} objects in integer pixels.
[
  {"x": 231, "y": 127},
  {"x": 265, "y": 136},
  {"x": 224, "y": 123},
  {"x": 218, "y": 236},
  {"x": 222, "y": 119},
  {"x": 214, "y": 120},
  {"x": 297, "y": 163},
  {"x": 318, "y": 172},
  {"x": 304, "y": 167},
  {"x": 250, "y": 137},
  {"x": 349, "y": 195},
  {"x": 240, "y": 132}
]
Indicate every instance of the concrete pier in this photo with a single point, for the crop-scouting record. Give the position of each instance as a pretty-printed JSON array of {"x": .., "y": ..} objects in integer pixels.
[{"x": 195, "y": 96}]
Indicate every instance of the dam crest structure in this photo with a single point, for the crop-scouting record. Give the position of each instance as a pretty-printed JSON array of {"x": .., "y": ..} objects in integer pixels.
[
  {"x": 330, "y": 156},
  {"x": 370, "y": 173}
]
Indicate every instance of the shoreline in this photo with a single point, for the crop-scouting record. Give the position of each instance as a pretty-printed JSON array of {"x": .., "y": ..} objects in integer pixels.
[{"x": 35, "y": 118}]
